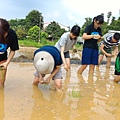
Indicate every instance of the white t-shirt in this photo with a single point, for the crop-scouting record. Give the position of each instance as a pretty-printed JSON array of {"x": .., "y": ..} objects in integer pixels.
[{"x": 65, "y": 42}]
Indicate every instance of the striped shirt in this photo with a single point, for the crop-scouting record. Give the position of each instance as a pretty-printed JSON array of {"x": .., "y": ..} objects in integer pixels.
[{"x": 108, "y": 42}]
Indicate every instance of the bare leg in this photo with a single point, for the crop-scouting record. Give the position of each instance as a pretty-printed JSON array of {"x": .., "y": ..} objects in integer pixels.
[
  {"x": 91, "y": 69},
  {"x": 68, "y": 64},
  {"x": 100, "y": 59},
  {"x": 58, "y": 84},
  {"x": 108, "y": 62},
  {"x": 36, "y": 80},
  {"x": 81, "y": 69},
  {"x": 2, "y": 76}
]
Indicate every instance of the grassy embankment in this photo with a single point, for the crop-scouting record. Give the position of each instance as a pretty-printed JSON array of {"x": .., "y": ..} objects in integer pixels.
[{"x": 28, "y": 43}]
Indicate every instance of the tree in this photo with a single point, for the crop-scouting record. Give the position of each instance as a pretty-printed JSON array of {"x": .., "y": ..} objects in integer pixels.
[
  {"x": 13, "y": 24},
  {"x": 34, "y": 18},
  {"x": 102, "y": 14},
  {"x": 104, "y": 28},
  {"x": 87, "y": 22},
  {"x": 54, "y": 30},
  {"x": 108, "y": 16},
  {"x": 33, "y": 33},
  {"x": 21, "y": 33},
  {"x": 114, "y": 25},
  {"x": 44, "y": 35}
]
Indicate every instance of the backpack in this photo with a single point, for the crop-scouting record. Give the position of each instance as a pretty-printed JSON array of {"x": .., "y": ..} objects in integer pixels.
[{"x": 117, "y": 64}]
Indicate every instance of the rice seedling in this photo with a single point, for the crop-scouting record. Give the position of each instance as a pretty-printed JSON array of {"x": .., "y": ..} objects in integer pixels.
[{"x": 74, "y": 93}]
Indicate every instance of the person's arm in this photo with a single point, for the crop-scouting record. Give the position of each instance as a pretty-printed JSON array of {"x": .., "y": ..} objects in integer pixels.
[
  {"x": 115, "y": 51},
  {"x": 41, "y": 79},
  {"x": 11, "y": 54},
  {"x": 87, "y": 37},
  {"x": 52, "y": 74},
  {"x": 102, "y": 49},
  {"x": 63, "y": 58}
]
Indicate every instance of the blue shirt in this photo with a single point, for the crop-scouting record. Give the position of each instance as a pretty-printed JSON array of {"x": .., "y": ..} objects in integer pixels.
[{"x": 54, "y": 52}]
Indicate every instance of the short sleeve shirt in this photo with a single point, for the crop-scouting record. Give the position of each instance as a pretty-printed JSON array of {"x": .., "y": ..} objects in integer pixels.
[
  {"x": 65, "y": 42},
  {"x": 92, "y": 43},
  {"x": 108, "y": 42},
  {"x": 12, "y": 42},
  {"x": 53, "y": 51}
]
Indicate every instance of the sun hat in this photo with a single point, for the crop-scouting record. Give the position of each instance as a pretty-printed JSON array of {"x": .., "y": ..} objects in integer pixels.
[{"x": 44, "y": 62}]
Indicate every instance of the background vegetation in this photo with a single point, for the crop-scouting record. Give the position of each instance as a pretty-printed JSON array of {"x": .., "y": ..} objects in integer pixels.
[{"x": 30, "y": 30}]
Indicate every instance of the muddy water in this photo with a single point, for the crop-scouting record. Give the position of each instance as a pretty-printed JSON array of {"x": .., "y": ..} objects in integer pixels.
[{"x": 83, "y": 97}]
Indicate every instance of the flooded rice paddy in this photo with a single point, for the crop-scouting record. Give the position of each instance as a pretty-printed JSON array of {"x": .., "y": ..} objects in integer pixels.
[{"x": 84, "y": 97}]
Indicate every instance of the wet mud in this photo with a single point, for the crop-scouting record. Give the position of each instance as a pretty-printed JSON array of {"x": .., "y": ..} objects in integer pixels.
[{"x": 83, "y": 97}]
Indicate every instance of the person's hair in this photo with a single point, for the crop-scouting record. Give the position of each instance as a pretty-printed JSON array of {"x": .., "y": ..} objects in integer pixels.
[
  {"x": 99, "y": 19},
  {"x": 4, "y": 28},
  {"x": 116, "y": 36},
  {"x": 75, "y": 30}
]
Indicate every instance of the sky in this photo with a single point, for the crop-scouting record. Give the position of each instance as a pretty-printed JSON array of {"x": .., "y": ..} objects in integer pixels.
[{"x": 66, "y": 12}]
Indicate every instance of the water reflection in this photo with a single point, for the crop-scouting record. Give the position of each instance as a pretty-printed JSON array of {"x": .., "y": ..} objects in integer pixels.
[
  {"x": 50, "y": 104},
  {"x": 99, "y": 89},
  {"x": 1, "y": 103},
  {"x": 84, "y": 97}
]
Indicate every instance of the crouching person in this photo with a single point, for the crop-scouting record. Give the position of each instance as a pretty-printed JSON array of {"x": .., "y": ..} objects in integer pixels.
[{"x": 47, "y": 60}]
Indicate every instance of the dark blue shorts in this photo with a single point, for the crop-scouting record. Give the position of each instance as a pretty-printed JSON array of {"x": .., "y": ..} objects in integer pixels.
[{"x": 89, "y": 56}]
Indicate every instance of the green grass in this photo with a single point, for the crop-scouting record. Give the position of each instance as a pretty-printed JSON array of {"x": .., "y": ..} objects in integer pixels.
[
  {"x": 31, "y": 43},
  {"x": 79, "y": 47},
  {"x": 43, "y": 42}
]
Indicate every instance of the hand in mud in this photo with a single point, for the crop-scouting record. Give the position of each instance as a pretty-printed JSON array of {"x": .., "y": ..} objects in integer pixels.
[
  {"x": 66, "y": 67},
  {"x": 47, "y": 81},
  {"x": 41, "y": 81},
  {"x": 109, "y": 55},
  {"x": 2, "y": 67},
  {"x": 74, "y": 50}
]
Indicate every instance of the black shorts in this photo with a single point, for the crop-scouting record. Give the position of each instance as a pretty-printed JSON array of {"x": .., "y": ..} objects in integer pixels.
[{"x": 116, "y": 72}]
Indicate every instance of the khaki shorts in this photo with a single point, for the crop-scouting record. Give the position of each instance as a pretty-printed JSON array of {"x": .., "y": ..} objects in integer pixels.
[
  {"x": 108, "y": 50},
  {"x": 57, "y": 76}
]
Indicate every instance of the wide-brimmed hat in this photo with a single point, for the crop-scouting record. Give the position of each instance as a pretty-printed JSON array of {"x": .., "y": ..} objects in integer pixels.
[{"x": 44, "y": 62}]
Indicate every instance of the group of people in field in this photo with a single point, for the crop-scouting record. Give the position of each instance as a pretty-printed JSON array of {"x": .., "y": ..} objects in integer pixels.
[{"x": 48, "y": 59}]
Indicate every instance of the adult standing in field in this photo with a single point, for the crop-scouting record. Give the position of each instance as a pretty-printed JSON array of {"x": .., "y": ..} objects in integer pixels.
[
  {"x": 90, "y": 48},
  {"x": 8, "y": 39}
]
